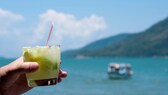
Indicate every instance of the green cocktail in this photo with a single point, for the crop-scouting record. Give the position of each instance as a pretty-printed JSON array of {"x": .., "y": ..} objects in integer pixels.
[{"x": 48, "y": 58}]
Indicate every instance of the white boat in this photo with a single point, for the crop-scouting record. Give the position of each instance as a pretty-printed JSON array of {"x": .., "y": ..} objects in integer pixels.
[{"x": 119, "y": 71}]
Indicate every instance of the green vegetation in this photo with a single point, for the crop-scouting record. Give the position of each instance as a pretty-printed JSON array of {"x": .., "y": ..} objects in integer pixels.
[{"x": 149, "y": 43}]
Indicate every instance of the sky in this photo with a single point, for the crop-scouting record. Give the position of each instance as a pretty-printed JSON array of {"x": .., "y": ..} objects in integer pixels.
[{"x": 76, "y": 22}]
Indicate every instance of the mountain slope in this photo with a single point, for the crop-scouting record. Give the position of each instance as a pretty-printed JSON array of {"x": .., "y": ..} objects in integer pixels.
[
  {"x": 98, "y": 44},
  {"x": 151, "y": 42},
  {"x": 105, "y": 42}
]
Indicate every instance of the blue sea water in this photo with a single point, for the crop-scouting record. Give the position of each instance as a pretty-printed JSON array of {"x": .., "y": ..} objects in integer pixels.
[{"x": 89, "y": 77}]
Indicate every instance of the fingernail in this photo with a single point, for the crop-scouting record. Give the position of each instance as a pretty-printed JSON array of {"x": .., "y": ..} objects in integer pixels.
[{"x": 64, "y": 74}]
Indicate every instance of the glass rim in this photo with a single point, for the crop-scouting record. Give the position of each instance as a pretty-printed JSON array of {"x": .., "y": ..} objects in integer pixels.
[{"x": 43, "y": 46}]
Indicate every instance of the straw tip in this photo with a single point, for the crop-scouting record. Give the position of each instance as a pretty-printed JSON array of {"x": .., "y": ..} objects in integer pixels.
[{"x": 53, "y": 23}]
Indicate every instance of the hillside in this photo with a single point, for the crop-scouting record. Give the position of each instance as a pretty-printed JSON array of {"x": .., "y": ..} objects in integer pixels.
[
  {"x": 151, "y": 42},
  {"x": 105, "y": 42},
  {"x": 98, "y": 44}
]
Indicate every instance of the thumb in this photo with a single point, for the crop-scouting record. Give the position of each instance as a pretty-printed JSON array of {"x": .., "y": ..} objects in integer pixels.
[
  {"x": 18, "y": 66},
  {"x": 25, "y": 67}
]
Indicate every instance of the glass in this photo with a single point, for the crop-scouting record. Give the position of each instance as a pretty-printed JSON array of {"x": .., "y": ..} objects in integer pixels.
[{"x": 48, "y": 58}]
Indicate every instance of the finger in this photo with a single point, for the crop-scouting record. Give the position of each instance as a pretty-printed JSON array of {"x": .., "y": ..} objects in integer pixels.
[
  {"x": 18, "y": 66},
  {"x": 25, "y": 67},
  {"x": 62, "y": 74},
  {"x": 21, "y": 83},
  {"x": 59, "y": 79}
]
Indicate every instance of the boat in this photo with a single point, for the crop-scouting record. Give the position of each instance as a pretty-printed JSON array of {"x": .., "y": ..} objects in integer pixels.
[{"x": 119, "y": 71}]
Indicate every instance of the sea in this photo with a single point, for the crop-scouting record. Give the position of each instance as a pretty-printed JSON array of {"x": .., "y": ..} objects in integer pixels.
[{"x": 89, "y": 77}]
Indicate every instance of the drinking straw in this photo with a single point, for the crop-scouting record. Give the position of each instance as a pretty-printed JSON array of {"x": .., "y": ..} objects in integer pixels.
[{"x": 49, "y": 34}]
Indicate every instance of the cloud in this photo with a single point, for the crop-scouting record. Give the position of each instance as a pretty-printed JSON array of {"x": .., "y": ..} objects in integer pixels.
[
  {"x": 10, "y": 33},
  {"x": 9, "y": 15},
  {"x": 7, "y": 20},
  {"x": 68, "y": 31}
]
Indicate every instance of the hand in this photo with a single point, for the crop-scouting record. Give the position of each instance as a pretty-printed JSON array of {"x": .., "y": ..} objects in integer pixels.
[{"x": 13, "y": 80}]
